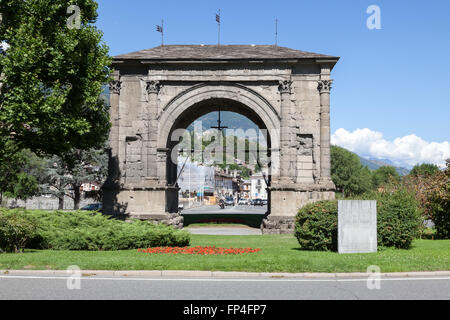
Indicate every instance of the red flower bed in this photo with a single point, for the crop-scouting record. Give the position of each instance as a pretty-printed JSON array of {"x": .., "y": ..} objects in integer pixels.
[{"x": 199, "y": 250}]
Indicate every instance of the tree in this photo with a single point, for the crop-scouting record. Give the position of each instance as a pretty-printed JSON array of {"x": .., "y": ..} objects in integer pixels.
[
  {"x": 15, "y": 182},
  {"x": 52, "y": 76},
  {"x": 433, "y": 193},
  {"x": 66, "y": 174},
  {"x": 424, "y": 169},
  {"x": 439, "y": 202},
  {"x": 347, "y": 173},
  {"x": 385, "y": 175}
]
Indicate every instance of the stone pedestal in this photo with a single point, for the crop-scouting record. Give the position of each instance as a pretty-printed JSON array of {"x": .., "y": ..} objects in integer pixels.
[
  {"x": 144, "y": 203},
  {"x": 285, "y": 203},
  {"x": 149, "y": 204},
  {"x": 278, "y": 225}
]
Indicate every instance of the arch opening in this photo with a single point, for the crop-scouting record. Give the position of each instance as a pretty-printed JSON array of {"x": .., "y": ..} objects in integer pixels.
[{"x": 245, "y": 128}]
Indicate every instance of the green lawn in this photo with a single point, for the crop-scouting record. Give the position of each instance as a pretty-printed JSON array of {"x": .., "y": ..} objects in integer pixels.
[{"x": 280, "y": 253}]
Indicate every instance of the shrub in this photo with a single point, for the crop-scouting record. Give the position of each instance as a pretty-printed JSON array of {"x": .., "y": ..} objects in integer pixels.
[
  {"x": 439, "y": 205},
  {"x": 398, "y": 221},
  {"x": 316, "y": 226},
  {"x": 82, "y": 230},
  {"x": 438, "y": 202},
  {"x": 16, "y": 232},
  {"x": 399, "y": 217},
  {"x": 432, "y": 189}
]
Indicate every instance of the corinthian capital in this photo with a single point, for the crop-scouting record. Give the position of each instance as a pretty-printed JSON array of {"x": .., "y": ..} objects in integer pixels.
[
  {"x": 115, "y": 86},
  {"x": 285, "y": 86},
  {"x": 153, "y": 86},
  {"x": 324, "y": 85}
]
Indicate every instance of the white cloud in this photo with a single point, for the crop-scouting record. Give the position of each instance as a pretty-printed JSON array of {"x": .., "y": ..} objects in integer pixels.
[{"x": 405, "y": 151}]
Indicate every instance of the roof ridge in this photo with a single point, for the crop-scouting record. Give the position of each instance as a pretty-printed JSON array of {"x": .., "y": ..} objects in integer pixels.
[{"x": 226, "y": 51}]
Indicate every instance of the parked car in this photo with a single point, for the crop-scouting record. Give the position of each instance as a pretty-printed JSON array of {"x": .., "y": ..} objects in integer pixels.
[
  {"x": 258, "y": 202},
  {"x": 93, "y": 207},
  {"x": 264, "y": 202},
  {"x": 229, "y": 201},
  {"x": 243, "y": 202}
]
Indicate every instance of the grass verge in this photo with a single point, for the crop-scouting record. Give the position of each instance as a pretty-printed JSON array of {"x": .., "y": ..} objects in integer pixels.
[{"x": 279, "y": 253}]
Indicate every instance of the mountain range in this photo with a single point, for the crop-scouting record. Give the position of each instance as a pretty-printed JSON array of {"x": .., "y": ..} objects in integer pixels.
[
  {"x": 236, "y": 121},
  {"x": 374, "y": 164}
]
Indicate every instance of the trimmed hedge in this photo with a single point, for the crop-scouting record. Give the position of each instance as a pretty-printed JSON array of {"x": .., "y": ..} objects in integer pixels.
[
  {"x": 398, "y": 221},
  {"x": 83, "y": 230},
  {"x": 316, "y": 226}
]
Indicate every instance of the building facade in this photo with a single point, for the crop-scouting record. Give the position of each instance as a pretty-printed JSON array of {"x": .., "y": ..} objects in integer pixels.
[{"x": 258, "y": 189}]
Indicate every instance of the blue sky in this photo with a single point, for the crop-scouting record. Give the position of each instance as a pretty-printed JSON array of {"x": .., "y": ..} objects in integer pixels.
[{"x": 392, "y": 81}]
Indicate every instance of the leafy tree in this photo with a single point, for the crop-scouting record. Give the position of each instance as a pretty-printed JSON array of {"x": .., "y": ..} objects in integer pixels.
[
  {"x": 385, "y": 175},
  {"x": 424, "y": 169},
  {"x": 439, "y": 202},
  {"x": 65, "y": 174},
  {"x": 244, "y": 171},
  {"x": 347, "y": 173},
  {"x": 15, "y": 182},
  {"x": 433, "y": 194},
  {"x": 52, "y": 76}
]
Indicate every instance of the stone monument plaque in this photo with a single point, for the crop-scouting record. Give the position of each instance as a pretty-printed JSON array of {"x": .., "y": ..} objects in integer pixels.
[{"x": 357, "y": 226}]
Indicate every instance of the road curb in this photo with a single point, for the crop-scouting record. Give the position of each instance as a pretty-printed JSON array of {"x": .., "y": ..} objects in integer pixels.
[{"x": 219, "y": 274}]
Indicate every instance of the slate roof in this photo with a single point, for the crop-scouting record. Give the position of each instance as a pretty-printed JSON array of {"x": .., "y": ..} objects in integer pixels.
[{"x": 222, "y": 52}]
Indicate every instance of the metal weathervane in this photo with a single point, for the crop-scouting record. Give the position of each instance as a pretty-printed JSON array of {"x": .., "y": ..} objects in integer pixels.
[
  {"x": 218, "y": 22},
  {"x": 276, "y": 32},
  {"x": 161, "y": 29}
]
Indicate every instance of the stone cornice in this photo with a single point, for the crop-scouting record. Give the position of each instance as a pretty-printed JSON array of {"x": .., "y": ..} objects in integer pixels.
[{"x": 301, "y": 187}]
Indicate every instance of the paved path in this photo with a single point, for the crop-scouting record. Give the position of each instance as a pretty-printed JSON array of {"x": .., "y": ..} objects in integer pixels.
[
  {"x": 97, "y": 287},
  {"x": 245, "y": 209}
]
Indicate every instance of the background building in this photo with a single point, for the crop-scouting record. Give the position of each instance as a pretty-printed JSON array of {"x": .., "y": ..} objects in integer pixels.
[
  {"x": 196, "y": 183},
  {"x": 258, "y": 186}
]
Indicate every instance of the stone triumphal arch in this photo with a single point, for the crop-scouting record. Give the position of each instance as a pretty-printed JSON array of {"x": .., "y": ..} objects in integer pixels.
[{"x": 159, "y": 90}]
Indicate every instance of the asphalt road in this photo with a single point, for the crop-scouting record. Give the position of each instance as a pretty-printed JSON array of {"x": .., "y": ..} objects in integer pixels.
[
  {"x": 228, "y": 209},
  {"x": 98, "y": 288}
]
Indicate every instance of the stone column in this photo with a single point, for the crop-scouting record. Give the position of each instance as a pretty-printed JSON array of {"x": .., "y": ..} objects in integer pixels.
[
  {"x": 114, "y": 89},
  {"x": 325, "y": 157},
  {"x": 286, "y": 173},
  {"x": 153, "y": 87},
  {"x": 161, "y": 165}
]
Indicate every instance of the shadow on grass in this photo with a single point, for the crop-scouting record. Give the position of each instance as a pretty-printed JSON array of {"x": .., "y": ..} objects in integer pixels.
[{"x": 21, "y": 253}]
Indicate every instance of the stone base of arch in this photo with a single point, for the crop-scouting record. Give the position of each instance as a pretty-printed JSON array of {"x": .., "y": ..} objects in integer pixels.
[
  {"x": 158, "y": 204},
  {"x": 285, "y": 203}
]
